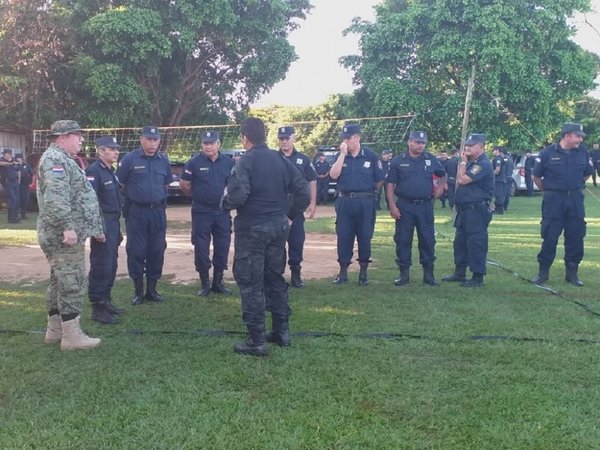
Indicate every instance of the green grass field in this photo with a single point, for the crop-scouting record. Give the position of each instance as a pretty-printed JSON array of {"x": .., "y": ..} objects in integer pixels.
[{"x": 507, "y": 366}]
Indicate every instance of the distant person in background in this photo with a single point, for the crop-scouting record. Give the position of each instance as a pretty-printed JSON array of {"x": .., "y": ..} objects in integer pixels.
[
  {"x": 145, "y": 175},
  {"x": 25, "y": 181},
  {"x": 322, "y": 168},
  {"x": 499, "y": 165},
  {"x": 561, "y": 171},
  {"x": 451, "y": 169},
  {"x": 10, "y": 175},
  {"x": 443, "y": 160},
  {"x": 204, "y": 178},
  {"x": 104, "y": 255},
  {"x": 509, "y": 169},
  {"x": 386, "y": 159},
  {"x": 528, "y": 166},
  {"x": 595, "y": 156}
]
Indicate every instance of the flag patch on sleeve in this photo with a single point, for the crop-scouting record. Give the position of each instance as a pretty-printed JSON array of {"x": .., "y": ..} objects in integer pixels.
[{"x": 58, "y": 170}]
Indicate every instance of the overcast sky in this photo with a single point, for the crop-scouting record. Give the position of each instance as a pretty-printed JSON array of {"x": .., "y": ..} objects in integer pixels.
[{"x": 319, "y": 44}]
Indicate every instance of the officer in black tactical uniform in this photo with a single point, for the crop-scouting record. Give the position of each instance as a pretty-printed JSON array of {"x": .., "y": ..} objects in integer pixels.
[
  {"x": 499, "y": 166},
  {"x": 25, "y": 181},
  {"x": 9, "y": 177},
  {"x": 259, "y": 188},
  {"x": 322, "y": 167}
]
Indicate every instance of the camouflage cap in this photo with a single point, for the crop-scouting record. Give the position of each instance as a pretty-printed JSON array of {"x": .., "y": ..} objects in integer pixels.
[{"x": 61, "y": 127}]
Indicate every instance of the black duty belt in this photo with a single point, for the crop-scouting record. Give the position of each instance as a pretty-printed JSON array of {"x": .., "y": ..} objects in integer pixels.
[
  {"x": 573, "y": 192},
  {"x": 111, "y": 215},
  {"x": 148, "y": 205},
  {"x": 472, "y": 205},
  {"x": 415, "y": 201},
  {"x": 361, "y": 194}
]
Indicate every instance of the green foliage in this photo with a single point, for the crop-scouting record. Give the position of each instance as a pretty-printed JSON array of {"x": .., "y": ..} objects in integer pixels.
[{"x": 417, "y": 57}]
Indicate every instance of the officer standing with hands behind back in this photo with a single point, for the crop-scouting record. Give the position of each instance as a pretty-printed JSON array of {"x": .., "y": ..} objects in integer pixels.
[
  {"x": 359, "y": 175},
  {"x": 145, "y": 175},
  {"x": 104, "y": 255}
]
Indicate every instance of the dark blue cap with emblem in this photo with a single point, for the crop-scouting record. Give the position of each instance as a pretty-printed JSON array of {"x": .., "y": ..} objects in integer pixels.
[
  {"x": 210, "y": 136},
  {"x": 151, "y": 132},
  {"x": 285, "y": 132},
  {"x": 6, "y": 150},
  {"x": 575, "y": 128},
  {"x": 418, "y": 136},
  {"x": 350, "y": 130},
  {"x": 107, "y": 141},
  {"x": 475, "y": 138}
]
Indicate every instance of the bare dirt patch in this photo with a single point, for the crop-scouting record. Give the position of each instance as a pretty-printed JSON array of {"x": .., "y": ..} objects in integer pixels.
[{"x": 28, "y": 264}]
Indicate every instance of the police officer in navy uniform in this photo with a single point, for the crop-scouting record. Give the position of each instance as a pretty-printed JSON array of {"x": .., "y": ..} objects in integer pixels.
[
  {"x": 595, "y": 156},
  {"x": 509, "y": 167},
  {"x": 528, "y": 166},
  {"x": 475, "y": 182},
  {"x": 561, "y": 171},
  {"x": 386, "y": 159},
  {"x": 359, "y": 174},
  {"x": 204, "y": 178},
  {"x": 104, "y": 256},
  {"x": 286, "y": 137},
  {"x": 499, "y": 165},
  {"x": 25, "y": 180},
  {"x": 268, "y": 192},
  {"x": 10, "y": 178},
  {"x": 411, "y": 179},
  {"x": 145, "y": 175},
  {"x": 322, "y": 168}
]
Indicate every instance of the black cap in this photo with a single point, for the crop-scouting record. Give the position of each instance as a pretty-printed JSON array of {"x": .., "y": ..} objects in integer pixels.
[
  {"x": 210, "y": 136},
  {"x": 285, "y": 132},
  {"x": 475, "y": 138},
  {"x": 575, "y": 128},
  {"x": 387, "y": 151},
  {"x": 107, "y": 141},
  {"x": 151, "y": 132},
  {"x": 350, "y": 130},
  {"x": 418, "y": 136},
  {"x": 6, "y": 150}
]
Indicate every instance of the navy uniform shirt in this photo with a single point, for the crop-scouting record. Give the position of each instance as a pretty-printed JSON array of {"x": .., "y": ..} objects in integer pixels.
[
  {"x": 261, "y": 184},
  {"x": 360, "y": 173},
  {"x": 452, "y": 168},
  {"x": 595, "y": 155},
  {"x": 208, "y": 179},
  {"x": 302, "y": 162},
  {"x": 385, "y": 167},
  {"x": 413, "y": 176},
  {"x": 529, "y": 163},
  {"x": 498, "y": 161},
  {"x": 9, "y": 174},
  {"x": 106, "y": 184},
  {"x": 482, "y": 187},
  {"x": 322, "y": 167},
  {"x": 563, "y": 170},
  {"x": 509, "y": 167},
  {"x": 145, "y": 178}
]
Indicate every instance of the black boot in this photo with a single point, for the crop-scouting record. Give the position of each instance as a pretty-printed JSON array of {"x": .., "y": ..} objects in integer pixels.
[
  {"x": 112, "y": 308},
  {"x": 152, "y": 294},
  {"x": 296, "y": 280},
  {"x": 281, "y": 332},
  {"x": 342, "y": 276},
  {"x": 475, "y": 281},
  {"x": 404, "y": 277},
  {"x": 204, "y": 285},
  {"x": 571, "y": 274},
  {"x": 543, "y": 274},
  {"x": 363, "y": 279},
  {"x": 138, "y": 296},
  {"x": 217, "y": 284},
  {"x": 255, "y": 345},
  {"x": 460, "y": 274},
  {"x": 101, "y": 314},
  {"x": 428, "y": 277}
]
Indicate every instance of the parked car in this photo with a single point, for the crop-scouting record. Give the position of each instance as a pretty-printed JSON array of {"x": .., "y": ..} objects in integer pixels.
[{"x": 517, "y": 183}]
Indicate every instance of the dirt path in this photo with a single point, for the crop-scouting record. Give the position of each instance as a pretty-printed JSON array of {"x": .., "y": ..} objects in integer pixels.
[{"x": 28, "y": 264}]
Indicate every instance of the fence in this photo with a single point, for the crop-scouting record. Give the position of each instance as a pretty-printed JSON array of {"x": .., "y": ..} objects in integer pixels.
[{"x": 180, "y": 143}]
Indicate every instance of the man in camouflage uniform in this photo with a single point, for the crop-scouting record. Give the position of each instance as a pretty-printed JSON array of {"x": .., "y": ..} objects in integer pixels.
[{"x": 68, "y": 215}]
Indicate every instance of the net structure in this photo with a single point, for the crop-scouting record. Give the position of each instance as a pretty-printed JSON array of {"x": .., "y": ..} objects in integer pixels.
[{"x": 181, "y": 143}]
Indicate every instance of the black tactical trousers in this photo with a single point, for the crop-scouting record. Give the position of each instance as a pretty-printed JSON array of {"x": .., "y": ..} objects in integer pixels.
[{"x": 258, "y": 266}]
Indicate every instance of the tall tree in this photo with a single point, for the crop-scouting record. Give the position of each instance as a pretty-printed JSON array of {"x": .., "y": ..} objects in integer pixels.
[{"x": 417, "y": 57}]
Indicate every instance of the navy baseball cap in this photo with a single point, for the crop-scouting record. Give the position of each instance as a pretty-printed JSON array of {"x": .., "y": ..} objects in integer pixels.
[
  {"x": 210, "y": 136},
  {"x": 107, "y": 141},
  {"x": 285, "y": 132},
  {"x": 575, "y": 128},
  {"x": 151, "y": 132},
  {"x": 350, "y": 130},
  {"x": 475, "y": 138},
  {"x": 6, "y": 150},
  {"x": 418, "y": 136},
  {"x": 387, "y": 151}
]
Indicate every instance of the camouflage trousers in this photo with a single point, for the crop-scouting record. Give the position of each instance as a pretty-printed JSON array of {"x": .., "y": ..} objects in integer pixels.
[{"x": 68, "y": 279}]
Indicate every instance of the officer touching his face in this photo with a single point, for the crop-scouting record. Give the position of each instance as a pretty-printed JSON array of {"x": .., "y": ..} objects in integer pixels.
[
  {"x": 104, "y": 255},
  {"x": 411, "y": 179},
  {"x": 145, "y": 175},
  {"x": 297, "y": 234},
  {"x": 561, "y": 171},
  {"x": 359, "y": 175},
  {"x": 204, "y": 178}
]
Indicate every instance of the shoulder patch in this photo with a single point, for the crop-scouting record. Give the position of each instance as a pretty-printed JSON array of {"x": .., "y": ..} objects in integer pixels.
[
  {"x": 475, "y": 169},
  {"x": 58, "y": 170}
]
